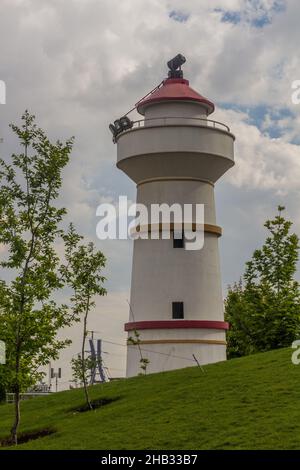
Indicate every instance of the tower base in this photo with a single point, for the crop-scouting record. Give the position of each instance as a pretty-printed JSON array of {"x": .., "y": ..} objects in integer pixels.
[{"x": 165, "y": 351}]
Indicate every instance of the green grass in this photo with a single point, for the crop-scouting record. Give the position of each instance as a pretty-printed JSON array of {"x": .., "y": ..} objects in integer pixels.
[{"x": 248, "y": 403}]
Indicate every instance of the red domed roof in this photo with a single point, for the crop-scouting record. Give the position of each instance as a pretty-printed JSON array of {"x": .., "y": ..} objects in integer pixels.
[{"x": 174, "y": 89}]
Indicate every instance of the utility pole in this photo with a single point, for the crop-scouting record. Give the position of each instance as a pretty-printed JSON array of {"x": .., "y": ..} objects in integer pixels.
[
  {"x": 56, "y": 376},
  {"x": 96, "y": 355}
]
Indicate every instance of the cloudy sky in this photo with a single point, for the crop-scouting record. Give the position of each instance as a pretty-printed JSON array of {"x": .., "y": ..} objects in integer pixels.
[{"x": 78, "y": 64}]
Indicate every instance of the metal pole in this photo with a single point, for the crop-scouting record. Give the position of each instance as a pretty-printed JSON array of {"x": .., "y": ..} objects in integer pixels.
[
  {"x": 198, "y": 363},
  {"x": 49, "y": 378}
]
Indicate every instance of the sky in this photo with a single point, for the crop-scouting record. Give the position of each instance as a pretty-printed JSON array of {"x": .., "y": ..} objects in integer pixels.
[{"x": 79, "y": 64}]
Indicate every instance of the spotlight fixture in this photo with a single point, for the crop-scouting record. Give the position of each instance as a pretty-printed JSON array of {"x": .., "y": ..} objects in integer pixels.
[
  {"x": 175, "y": 66},
  {"x": 120, "y": 125}
]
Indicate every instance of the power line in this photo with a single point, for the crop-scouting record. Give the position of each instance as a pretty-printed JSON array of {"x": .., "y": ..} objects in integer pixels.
[
  {"x": 111, "y": 342},
  {"x": 113, "y": 368},
  {"x": 151, "y": 351},
  {"x": 113, "y": 354},
  {"x": 142, "y": 349}
]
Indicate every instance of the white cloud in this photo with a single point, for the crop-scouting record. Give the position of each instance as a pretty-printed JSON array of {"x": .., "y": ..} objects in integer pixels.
[{"x": 262, "y": 162}]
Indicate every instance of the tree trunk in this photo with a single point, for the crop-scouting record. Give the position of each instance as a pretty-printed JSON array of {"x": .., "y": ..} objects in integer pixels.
[
  {"x": 15, "y": 428},
  {"x": 86, "y": 392}
]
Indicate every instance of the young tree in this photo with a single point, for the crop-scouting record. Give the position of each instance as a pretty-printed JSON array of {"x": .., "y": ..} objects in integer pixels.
[
  {"x": 79, "y": 372},
  {"x": 136, "y": 341},
  {"x": 82, "y": 273},
  {"x": 264, "y": 312},
  {"x": 29, "y": 229}
]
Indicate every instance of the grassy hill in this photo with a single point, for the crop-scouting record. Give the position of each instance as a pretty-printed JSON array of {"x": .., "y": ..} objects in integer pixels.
[{"x": 248, "y": 403}]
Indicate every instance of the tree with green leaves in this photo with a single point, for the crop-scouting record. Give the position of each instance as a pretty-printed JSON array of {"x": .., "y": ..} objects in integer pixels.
[
  {"x": 135, "y": 340},
  {"x": 83, "y": 273},
  {"x": 82, "y": 370},
  {"x": 30, "y": 317},
  {"x": 264, "y": 309}
]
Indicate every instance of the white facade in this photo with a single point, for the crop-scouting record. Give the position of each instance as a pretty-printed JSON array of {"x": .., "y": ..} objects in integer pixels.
[{"x": 175, "y": 156}]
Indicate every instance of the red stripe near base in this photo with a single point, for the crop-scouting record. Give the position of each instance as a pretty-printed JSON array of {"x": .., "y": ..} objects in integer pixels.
[{"x": 170, "y": 324}]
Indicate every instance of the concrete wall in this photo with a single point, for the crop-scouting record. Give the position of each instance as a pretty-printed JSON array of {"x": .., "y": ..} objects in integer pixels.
[
  {"x": 162, "y": 274},
  {"x": 164, "y": 357},
  {"x": 175, "y": 150},
  {"x": 178, "y": 190},
  {"x": 192, "y": 113}
]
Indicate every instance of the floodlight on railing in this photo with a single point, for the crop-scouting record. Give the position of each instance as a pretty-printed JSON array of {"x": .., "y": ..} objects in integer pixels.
[{"x": 120, "y": 125}]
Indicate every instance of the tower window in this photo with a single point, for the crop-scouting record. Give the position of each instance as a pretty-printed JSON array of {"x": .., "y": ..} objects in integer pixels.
[
  {"x": 177, "y": 310},
  {"x": 178, "y": 240}
]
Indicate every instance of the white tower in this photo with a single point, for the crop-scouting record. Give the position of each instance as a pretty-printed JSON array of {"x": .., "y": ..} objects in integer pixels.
[{"x": 176, "y": 155}]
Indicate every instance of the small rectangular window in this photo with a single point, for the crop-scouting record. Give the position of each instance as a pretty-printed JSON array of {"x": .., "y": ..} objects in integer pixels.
[
  {"x": 178, "y": 240},
  {"x": 177, "y": 310}
]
